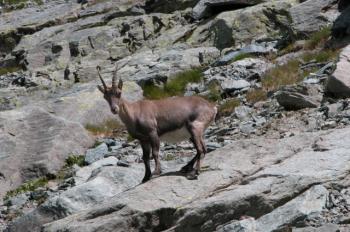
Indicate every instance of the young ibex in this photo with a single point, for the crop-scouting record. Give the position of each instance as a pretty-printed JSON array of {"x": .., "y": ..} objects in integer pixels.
[{"x": 171, "y": 119}]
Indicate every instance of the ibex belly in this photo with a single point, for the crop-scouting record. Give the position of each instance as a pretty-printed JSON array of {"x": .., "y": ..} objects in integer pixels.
[{"x": 176, "y": 135}]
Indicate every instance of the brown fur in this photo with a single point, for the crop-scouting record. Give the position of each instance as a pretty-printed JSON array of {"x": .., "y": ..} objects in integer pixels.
[{"x": 148, "y": 120}]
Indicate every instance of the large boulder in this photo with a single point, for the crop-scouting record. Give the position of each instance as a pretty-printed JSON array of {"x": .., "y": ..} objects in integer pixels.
[
  {"x": 338, "y": 84},
  {"x": 240, "y": 27},
  {"x": 300, "y": 97},
  {"x": 249, "y": 177},
  {"x": 312, "y": 15},
  {"x": 36, "y": 143}
]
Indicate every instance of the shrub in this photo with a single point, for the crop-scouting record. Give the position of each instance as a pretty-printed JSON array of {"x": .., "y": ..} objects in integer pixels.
[
  {"x": 175, "y": 86},
  {"x": 228, "y": 107}
]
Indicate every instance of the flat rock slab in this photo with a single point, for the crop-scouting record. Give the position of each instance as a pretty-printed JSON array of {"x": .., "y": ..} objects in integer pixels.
[
  {"x": 36, "y": 143},
  {"x": 249, "y": 177}
]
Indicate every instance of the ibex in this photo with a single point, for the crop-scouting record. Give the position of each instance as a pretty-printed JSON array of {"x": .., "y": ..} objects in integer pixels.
[{"x": 172, "y": 119}]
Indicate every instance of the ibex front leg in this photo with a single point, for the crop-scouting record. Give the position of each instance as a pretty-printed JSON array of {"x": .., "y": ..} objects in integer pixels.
[
  {"x": 155, "y": 143},
  {"x": 146, "y": 149}
]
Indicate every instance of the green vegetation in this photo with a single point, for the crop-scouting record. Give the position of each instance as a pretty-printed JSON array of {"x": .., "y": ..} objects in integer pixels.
[
  {"x": 228, "y": 107},
  {"x": 256, "y": 95},
  {"x": 27, "y": 187},
  {"x": 75, "y": 159},
  {"x": 242, "y": 56},
  {"x": 321, "y": 56},
  {"x": 6, "y": 70},
  {"x": 318, "y": 39},
  {"x": 175, "y": 86},
  {"x": 169, "y": 157},
  {"x": 108, "y": 127}
]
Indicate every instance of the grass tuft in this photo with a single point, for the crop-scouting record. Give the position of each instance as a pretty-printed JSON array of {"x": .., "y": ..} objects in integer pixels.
[
  {"x": 318, "y": 39},
  {"x": 175, "y": 86},
  {"x": 27, "y": 187},
  {"x": 256, "y": 95},
  {"x": 75, "y": 159},
  {"x": 319, "y": 57},
  {"x": 242, "y": 57},
  {"x": 279, "y": 76},
  {"x": 6, "y": 70},
  {"x": 228, "y": 107}
]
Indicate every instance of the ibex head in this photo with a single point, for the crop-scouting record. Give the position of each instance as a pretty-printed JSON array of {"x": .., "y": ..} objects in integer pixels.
[{"x": 111, "y": 94}]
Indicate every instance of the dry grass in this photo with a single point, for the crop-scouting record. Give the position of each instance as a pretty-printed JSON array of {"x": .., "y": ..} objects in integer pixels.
[
  {"x": 279, "y": 76},
  {"x": 109, "y": 127},
  {"x": 228, "y": 107},
  {"x": 27, "y": 187},
  {"x": 256, "y": 95}
]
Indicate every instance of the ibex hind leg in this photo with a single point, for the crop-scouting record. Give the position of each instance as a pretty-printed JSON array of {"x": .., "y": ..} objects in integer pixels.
[{"x": 196, "y": 130}]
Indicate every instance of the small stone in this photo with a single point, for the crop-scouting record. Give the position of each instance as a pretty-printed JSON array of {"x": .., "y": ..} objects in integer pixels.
[
  {"x": 92, "y": 155},
  {"x": 122, "y": 163}
]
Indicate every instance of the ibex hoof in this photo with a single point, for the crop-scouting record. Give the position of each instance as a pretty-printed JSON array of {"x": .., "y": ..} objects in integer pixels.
[
  {"x": 192, "y": 175},
  {"x": 145, "y": 179},
  {"x": 156, "y": 173}
]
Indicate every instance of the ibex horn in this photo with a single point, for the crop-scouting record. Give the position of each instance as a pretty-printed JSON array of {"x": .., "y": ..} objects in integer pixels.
[
  {"x": 114, "y": 78},
  {"x": 99, "y": 74}
]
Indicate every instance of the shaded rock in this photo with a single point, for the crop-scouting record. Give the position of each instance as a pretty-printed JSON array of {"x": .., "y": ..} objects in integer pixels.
[
  {"x": 343, "y": 4},
  {"x": 92, "y": 155},
  {"x": 168, "y": 6},
  {"x": 312, "y": 15},
  {"x": 338, "y": 84},
  {"x": 217, "y": 197},
  {"x": 36, "y": 143},
  {"x": 206, "y": 8},
  {"x": 299, "y": 97}
]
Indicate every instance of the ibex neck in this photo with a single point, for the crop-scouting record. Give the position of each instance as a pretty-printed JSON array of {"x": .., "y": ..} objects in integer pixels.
[{"x": 125, "y": 112}]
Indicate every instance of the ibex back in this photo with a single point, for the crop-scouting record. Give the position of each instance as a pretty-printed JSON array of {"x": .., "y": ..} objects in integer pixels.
[{"x": 171, "y": 119}]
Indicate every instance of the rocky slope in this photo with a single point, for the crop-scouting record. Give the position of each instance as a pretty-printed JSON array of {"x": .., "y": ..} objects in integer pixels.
[{"x": 279, "y": 71}]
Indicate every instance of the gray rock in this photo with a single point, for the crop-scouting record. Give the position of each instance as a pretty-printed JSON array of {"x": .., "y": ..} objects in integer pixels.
[
  {"x": 325, "y": 228},
  {"x": 36, "y": 143},
  {"x": 310, "y": 203},
  {"x": 255, "y": 48},
  {"x": 338, "y": 84},
  {"x": 239, "y": 28},
  {"x": 18, "y": 200},
  {"x": 286, "y": 169},
  {"x": 83, "y": 174},
  {"x": 243, "y": 113},
  {"x": 230, "y": 85},
  {"x": 245, "y": 225},
  {"x": 92, "y": 155},
  {"x": 310, "y": 16},
  {"x": 204, "y": 7},
  {"x": 299, "y": 97}
]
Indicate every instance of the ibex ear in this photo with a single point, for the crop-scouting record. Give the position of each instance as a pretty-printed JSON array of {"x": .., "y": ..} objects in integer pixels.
[
  {"x": 120, "y": 84},
  {"x": 101, "y": 89}
]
